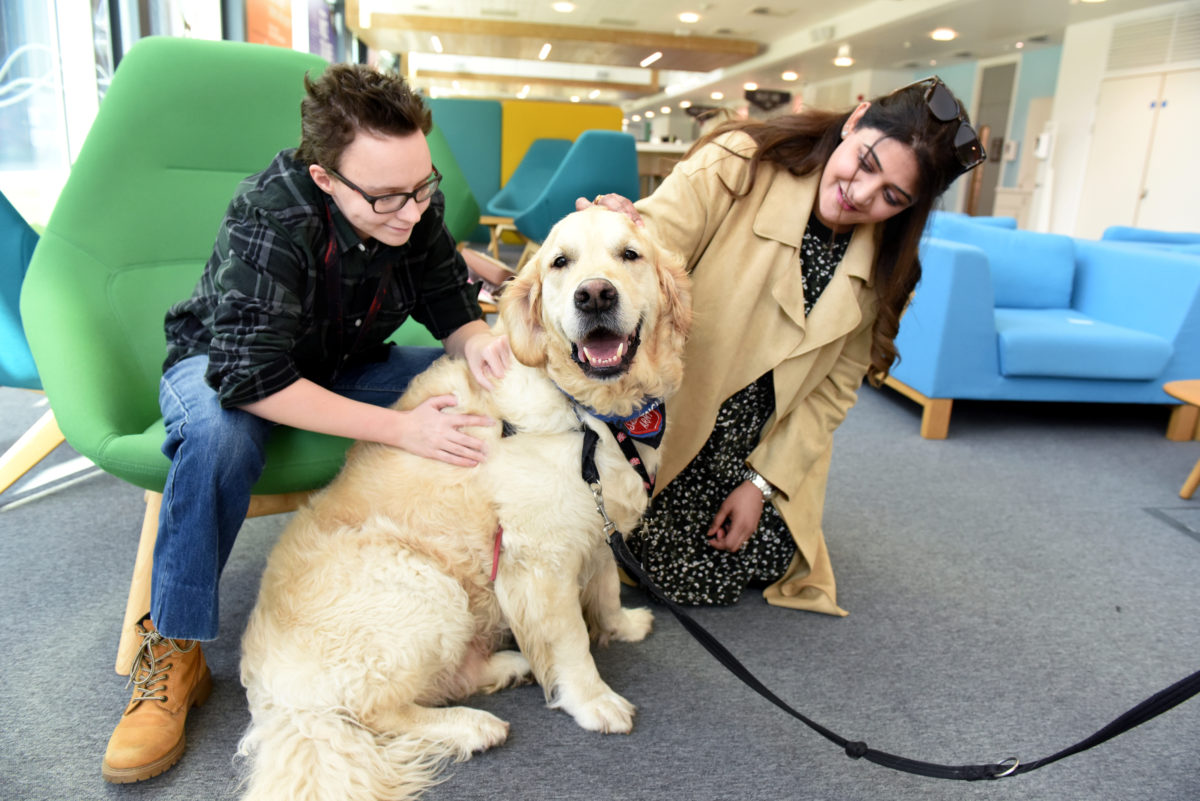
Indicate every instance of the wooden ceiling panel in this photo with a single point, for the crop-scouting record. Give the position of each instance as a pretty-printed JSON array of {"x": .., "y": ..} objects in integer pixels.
[{"x": 614, "y": 47}]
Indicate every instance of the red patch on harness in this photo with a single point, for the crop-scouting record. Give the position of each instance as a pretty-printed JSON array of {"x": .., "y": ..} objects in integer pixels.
[{"x": 647, "y": 425}]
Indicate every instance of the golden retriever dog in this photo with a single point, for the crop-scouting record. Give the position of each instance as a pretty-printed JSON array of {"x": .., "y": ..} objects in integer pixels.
[{"x": 378, "y": 605}]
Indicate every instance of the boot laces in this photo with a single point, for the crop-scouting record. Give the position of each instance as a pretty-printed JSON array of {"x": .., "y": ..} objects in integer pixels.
[{"x": 150, "y": 667}]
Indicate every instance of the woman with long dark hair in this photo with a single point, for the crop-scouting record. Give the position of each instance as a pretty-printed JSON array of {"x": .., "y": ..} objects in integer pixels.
[{"x": 801, "y": 236}]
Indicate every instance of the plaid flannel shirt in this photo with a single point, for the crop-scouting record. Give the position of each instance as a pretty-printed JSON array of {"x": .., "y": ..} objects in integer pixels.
[{"x": 260, "y": 310}]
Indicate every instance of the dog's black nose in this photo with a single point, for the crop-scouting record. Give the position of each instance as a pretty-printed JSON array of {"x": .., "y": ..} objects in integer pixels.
[{"x": 597, "y": 295}]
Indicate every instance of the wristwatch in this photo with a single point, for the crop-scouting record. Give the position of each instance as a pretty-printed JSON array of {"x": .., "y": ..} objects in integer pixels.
[{"x": 764, "y": 486}]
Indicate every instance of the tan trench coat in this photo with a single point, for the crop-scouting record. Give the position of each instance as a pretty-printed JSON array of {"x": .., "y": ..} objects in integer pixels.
[{"x": 748, "y": 302}]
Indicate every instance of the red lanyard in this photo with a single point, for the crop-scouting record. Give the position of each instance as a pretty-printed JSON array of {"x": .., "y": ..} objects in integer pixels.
[{"x": 333, "y": 293}]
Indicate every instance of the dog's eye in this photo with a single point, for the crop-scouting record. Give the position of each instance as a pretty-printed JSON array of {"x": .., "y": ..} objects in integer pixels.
[
  {"x": 559, "y": 262},
  {"x": 631, "y": 255}
]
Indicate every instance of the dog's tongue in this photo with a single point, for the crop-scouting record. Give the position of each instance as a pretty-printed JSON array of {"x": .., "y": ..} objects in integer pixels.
[{"x": 604, "y": 351}]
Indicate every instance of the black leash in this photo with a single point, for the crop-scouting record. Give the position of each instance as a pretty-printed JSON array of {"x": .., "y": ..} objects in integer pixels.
[{"x": 1152, "y": 707}]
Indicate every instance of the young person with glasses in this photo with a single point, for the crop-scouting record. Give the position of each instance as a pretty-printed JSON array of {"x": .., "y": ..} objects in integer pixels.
[
  {"x": 801, "y": 236},
  {"x": 319, "y": 258}
]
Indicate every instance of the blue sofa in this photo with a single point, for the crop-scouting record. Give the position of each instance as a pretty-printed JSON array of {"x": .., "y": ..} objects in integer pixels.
[
  {"x": 1187, "y": 242},
  {"x": 1149, "y": 236},
  {"x": 1004, "y": 314}
]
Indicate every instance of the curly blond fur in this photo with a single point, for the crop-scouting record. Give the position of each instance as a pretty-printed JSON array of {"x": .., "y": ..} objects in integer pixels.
[{"x": 376, "y": 607}]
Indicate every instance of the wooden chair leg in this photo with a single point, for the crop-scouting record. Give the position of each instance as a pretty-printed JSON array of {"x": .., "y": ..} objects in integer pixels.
[
  {"x": 527, "y": 253},
  {"x": 33, "y": 446},
  {"x": 1193, "y": 480},
  {"x": 496, "y": 228},
  {"x": 138, "y": 603}
]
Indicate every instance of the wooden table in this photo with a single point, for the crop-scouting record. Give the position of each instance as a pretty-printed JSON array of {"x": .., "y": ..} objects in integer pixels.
[
  {"x": 655, "y": 162},
  {"x": 1183, "y": 425},
  {"x": 497, "y": 226}
]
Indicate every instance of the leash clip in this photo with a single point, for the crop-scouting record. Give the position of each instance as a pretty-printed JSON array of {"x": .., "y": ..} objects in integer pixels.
[
  {"x": 1010, "y": 766},
  {"x": 598, "y": 497}
]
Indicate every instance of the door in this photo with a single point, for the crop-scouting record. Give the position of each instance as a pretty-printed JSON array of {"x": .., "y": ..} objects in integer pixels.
[
  {"x": 1116, "y": 163},
  {"x": 1169, "y": 199}
]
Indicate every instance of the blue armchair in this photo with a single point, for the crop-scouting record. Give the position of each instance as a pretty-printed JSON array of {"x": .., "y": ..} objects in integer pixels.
[
  {"x": 954, "y": 218},
  {"x": 1015, "y": 315}
]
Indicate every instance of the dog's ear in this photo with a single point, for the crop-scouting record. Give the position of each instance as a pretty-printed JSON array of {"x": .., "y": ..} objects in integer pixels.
[
  {"x": 521, "y": 311},
  {"x": 675, "y": 285}
]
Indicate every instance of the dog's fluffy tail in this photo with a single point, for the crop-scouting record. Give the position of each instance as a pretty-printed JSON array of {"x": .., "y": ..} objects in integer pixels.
[{"x": 304, "y": 755}]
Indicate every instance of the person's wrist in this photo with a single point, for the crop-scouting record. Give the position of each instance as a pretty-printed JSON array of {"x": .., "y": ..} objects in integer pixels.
[{"x": 764, "y": 486}]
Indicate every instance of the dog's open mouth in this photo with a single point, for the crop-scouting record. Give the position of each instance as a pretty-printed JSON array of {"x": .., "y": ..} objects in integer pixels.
[{"x": 604, "y": 353}]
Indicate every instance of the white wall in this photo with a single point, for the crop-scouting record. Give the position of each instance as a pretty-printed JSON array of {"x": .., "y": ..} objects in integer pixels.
[{"x": 1084, "y": 57}]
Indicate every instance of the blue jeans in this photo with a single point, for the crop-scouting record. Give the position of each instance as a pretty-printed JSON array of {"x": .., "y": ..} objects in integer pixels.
[{"x": 216, "y": 457}]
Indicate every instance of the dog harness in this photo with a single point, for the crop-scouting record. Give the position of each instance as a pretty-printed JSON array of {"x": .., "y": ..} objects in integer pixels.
[{"x": 646, "y": 425}]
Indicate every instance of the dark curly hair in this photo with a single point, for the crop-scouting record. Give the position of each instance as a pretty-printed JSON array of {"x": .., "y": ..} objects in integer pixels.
[
  {"x": 348, "y": 98},
  {"x": 802, "y": 144}
]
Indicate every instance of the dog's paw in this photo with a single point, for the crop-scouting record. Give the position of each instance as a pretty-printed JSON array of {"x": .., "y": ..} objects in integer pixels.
[
  {"x": 633, "y": 624},
  {"x": 479, "y": 732},
  {"x": 505, "y": 669},
  {"x": 608, "y": 713}
]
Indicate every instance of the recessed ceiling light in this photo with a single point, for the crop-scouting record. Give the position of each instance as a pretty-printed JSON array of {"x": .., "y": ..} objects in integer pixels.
[
  {"x": 649, "y": 114},
  {"x": 545, "y": 51},
  {"x": 717, "y": 95},
  {"x": 750, "y": 86},
  {"x": 689, "y": 17},
  {"x": 592, "y": 95},
  {"x": 943, "y": 34},
  {"x": 574, "y": 98},
  {"x": 685, "y": 104},
  {"x": 636, "y": 118},
  {"x": 665, "y": 109},
  {"x": 790, "y": 75},
  {"x": 524, "y": 93},
  {"x": 563, "y": 8},
  {"x": 843, "y": 58},
  {"x": 1019, "y": 45},
  {"x": 650, "y": 59}
]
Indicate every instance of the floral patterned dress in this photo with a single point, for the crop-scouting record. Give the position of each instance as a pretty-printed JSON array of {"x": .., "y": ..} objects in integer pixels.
[{"x": 671, "y": 542}]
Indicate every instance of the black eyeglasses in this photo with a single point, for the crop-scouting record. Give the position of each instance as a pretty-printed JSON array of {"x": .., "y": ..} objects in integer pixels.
[
  {"x": 946, "y": 108},
  {"x": 390, "y": 204}
]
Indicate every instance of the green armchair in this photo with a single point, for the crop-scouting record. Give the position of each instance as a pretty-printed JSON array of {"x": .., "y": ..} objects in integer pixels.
[{"x": 183, "y": 122}]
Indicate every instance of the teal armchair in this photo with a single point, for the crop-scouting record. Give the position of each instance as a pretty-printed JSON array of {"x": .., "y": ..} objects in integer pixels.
[
  {"x": 598, "y": 162},
  {"x": 17, "y": 369}
]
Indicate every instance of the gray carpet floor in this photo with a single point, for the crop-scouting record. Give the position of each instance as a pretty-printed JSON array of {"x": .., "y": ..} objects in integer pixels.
[{"x": 1011, "y": 590}]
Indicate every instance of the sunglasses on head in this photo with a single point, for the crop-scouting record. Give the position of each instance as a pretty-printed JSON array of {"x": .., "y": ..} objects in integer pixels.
[{"x": 945, "y": 108}]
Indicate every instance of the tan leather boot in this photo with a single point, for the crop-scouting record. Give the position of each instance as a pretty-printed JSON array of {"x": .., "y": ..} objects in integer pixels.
[{"x": 169, "y": 677}]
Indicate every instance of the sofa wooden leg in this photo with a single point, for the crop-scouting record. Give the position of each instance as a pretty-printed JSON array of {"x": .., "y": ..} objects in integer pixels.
[
  {"x": 935, "y": 412},
  {"x": 935, "y": 418}
]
